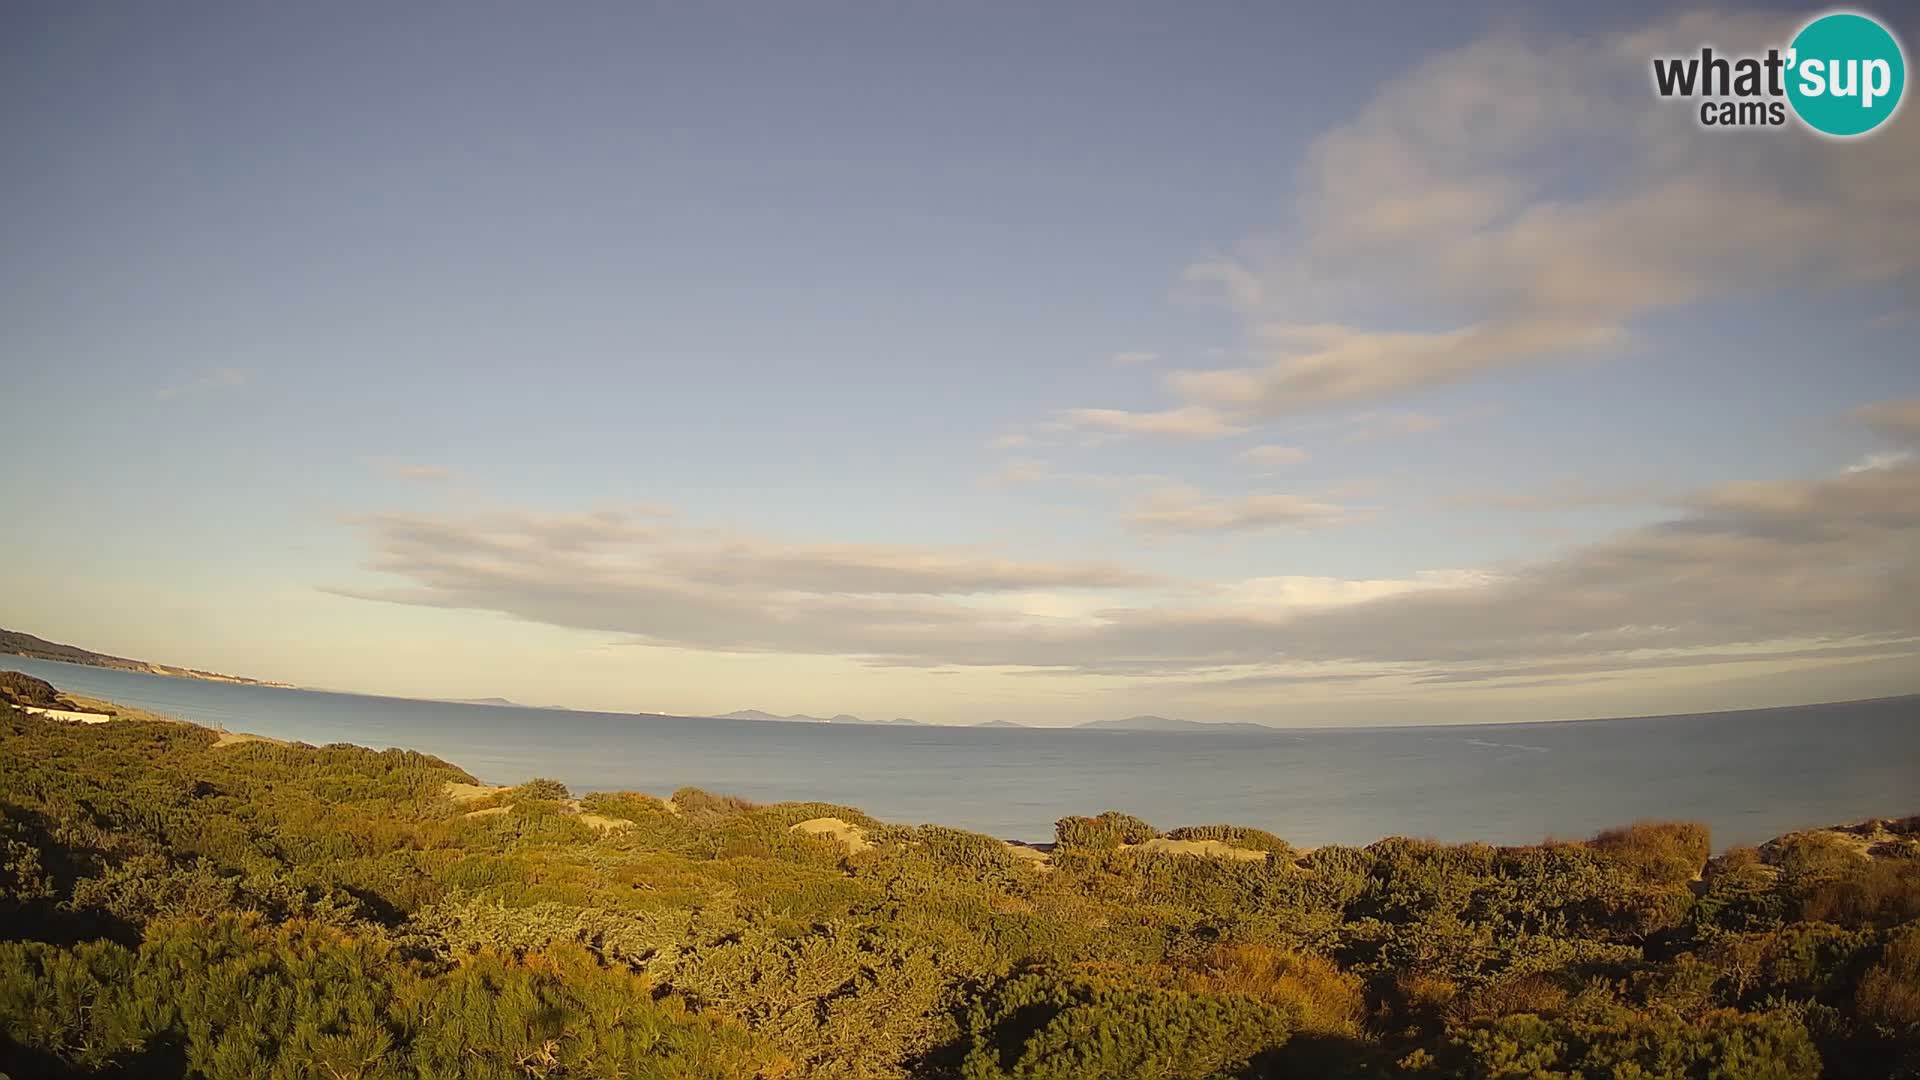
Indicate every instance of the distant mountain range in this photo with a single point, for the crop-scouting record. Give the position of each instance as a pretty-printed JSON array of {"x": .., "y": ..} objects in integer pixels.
[
  {"x": 1164, "y": 723},
  {"x": 500, "y": 702},
  {"x": 802, "y": 718},
  {"x": 16, "y": 643},
  {"x": 1131, "y": 723}
]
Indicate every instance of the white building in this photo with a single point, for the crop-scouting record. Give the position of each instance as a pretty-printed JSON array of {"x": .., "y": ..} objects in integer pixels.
[{"x": 69, "y": 715}]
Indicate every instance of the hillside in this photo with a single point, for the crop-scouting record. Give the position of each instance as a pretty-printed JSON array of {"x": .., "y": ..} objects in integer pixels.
[
  {"x": 175, "y": 903},
  {"x": 802, "y": 718},
  {"x": 16, "y": 643},
  {"x": 504, "y": 703},
  {"x": 1163, "y": 723}
]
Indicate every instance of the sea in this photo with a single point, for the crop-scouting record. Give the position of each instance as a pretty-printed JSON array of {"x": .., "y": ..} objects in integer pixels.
[{"x": 1749, "y": 775}]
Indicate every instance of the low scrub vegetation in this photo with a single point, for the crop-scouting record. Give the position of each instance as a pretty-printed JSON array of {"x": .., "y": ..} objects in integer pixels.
[{"x": 173, "y": 908}]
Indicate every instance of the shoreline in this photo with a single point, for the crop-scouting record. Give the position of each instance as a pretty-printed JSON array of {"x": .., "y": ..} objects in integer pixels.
[
  {"x": 1344, "y": 786},
  {"x": 1869, "y": 836}
]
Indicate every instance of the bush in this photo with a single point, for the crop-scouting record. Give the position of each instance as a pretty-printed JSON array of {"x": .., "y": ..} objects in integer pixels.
[
  {"x": 541, "y": 788},
  {"x": 285, "y": 910},
  {"x": 849, "y": 1001},
  {"x": 1659, "y": 852},
  {"x": 17, "y": 688},
  {"x": 1806, "y": 858},
  {"x": 1880, "y": 892},
  {"x": 699, "y": 805},
  {"x": 1326, "y": 1000},
  {"x": 1050, "y": 1027},
  {"x": 1109, "y": 830},
  {"x": 1889, "y": 993},
  {"x": 1605, "y": 1039},
  {"x": 627, "y": 806},
  {"x": 1236, "y": 835},
  {"x": 1534, "y": 992},
  {"x": 240, "y": 1000}
]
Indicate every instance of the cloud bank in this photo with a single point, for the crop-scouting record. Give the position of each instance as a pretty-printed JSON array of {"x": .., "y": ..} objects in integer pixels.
[
  {"x": 1456, "y": 227},
  {"x": 1787, "y": 568}
]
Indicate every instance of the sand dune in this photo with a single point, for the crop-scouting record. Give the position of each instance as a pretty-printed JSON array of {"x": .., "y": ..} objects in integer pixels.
[
  {"x": 464, "y": 793},
  {"x": 853, "y": 836}
]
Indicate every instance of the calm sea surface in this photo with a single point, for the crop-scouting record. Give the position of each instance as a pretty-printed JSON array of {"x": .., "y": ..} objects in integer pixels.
[{"x": 1750, "y": 775}]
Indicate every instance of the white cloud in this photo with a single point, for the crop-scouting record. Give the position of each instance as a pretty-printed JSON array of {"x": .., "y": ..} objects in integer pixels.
[
  {"x": 221, "y": 378},
  {"x": 1781, "y": 569},
  {"x": 1569, "y": 494},
  {"x": 1508, "y": 229},
  {"x": 1010, "y": 441},
  {"x": 1019, "y": 473},
  {"x": 1376, "y": 425},
  {"x": 1186, "y": 422},
  {"x": 1500, "y": 229},
  {"x": 1895, "y": 420},
  {"x": 419, "y": 473},
  {"x": 1134, "y": 359},
  {"x": 1271, "y": 455},
  {"x": 1185, "y": 510},
  {"x": 1885, "y": 459},
  {"x": 1297, "y": 593}
]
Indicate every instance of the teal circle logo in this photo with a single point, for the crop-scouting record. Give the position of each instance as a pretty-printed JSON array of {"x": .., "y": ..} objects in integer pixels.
[{"x": 1845, "y": 75}]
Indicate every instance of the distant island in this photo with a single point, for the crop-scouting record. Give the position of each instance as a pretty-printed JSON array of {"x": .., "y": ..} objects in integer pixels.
[
  {"x": 16, "y": 643},
  {"x": 1164, "y": 723},
  {"x": 1129, "y": 723},
  {"x": 502, "y": 703},
  {"x": 802, "y": 718}
]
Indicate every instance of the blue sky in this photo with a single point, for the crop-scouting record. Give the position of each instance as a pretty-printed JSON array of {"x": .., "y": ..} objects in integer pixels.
[{"x": 1376, "y": 364}]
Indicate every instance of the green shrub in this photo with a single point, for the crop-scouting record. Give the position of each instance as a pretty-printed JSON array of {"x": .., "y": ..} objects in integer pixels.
[
  {"x": 1889, "y": 993},
  {"x": 240, "y": 1000},
  {"x": 17, "y": 688},
  {"x": 1659, "y": 852},
  {"x": 1109, "y": 830},
  {"x": 1879, "y": 892},
  {"x": 1607, "y": 1039},
  {"x": 1807, "y": 858},
  {"x": 700, "y": 806},
  {"x": 627, "y": 806},
  {"x": 1044, "y": 1026},
  {"x": 541, "y": 788},
  {"x": 1324, "y": 999},
  {"x": 287, "y": 910},
  {"x": 1236, "y": 835}
]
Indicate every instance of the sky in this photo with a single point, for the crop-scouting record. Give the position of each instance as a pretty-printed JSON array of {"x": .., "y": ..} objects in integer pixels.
[{"x": 1379, "y": 363}]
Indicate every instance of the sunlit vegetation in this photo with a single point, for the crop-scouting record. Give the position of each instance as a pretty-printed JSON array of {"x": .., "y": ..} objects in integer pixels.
[
  {"x": 169, "y": 908},
  {"x": 25, "y": 690}
]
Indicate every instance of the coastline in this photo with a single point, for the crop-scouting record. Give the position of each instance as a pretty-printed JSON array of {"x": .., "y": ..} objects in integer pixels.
[
  {"x": 146, "y": 668},
  {"x": 1751, "y": 776},
  {"x": 1893, "y": 835}
]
